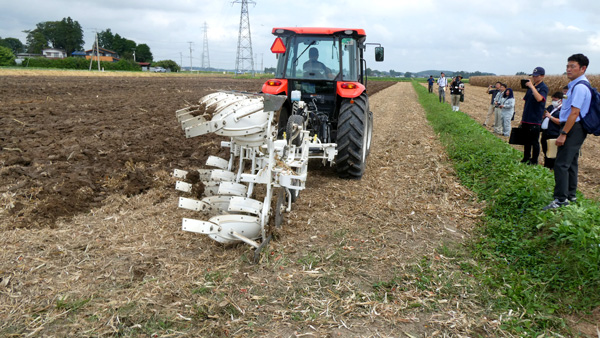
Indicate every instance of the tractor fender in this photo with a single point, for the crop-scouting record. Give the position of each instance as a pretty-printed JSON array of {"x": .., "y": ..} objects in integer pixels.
[
  {"x": 350, "y": 90},
  {"x": 275, "y": 87}
]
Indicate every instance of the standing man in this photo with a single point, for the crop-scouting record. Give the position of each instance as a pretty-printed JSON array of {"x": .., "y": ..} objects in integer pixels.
[
  {"x": 442, "y": 84},
  {"x": 492, "y": 90},
  {"x": 533, "y": 114},
  {"x": 574, "y": 107},
  {"x": 457, "y": 88},
  {"x": 430, "y": 81}
]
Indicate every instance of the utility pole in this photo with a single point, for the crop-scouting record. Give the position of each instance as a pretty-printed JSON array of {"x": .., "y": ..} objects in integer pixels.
[
  {"x": 244, "y": 61},
  {"x": 205, "y": 58},
  {"x": 181, "y": 59},
  {"x": 190, "y": 42},
  {"x": 134, "y": 55},
  {"x": 96, "y": 50}
]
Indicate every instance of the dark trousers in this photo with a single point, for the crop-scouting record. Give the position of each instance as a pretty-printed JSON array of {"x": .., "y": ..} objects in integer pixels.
[
  {"x": 431, "y": 88},
  {"x": 566, "y": 164},
  {"x": 531, "y": 149}
]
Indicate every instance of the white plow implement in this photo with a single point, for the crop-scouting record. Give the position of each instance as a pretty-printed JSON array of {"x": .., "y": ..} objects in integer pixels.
[{"x": 236, "y": 211}]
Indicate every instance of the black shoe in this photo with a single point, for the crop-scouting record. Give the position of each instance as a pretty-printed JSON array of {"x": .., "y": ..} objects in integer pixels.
[
  {"x": 524, "y": 160},
  {"x": 530, "y": 162},
  {"x": 555, "y": 205},
  {"x": 572, "y": 199}
]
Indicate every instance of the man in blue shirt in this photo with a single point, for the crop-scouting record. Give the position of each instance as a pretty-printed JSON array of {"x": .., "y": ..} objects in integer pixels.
[
  {"x": 430, "y": 81},
  {"x": 533, "y": 114},
  {"x": 574, "y": 107}
]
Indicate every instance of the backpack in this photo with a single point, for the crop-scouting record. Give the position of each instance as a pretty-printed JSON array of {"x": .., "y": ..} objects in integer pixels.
[{"x": 591, "y": 121}]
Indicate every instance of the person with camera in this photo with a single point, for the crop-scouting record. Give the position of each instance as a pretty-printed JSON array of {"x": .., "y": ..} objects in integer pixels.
[
  {"x": 533, "y": 113},
  {"x": 492, "y": 90},
  {"x": 457, "y": 88}
]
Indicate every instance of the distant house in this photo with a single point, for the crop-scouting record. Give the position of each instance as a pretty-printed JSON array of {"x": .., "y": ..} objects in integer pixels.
[
  {"x": 105, "y": 55},
  {"x": 145, "y": 66},
  {"x": 22, "y": 56},
  {"x": 54, "y": 53}
]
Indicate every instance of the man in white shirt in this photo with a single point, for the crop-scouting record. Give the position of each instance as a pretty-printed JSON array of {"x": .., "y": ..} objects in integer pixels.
[{"x": 442, "y": 84}]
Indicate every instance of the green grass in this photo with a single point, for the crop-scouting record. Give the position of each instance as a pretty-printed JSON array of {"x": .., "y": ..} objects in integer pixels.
[
  {"x": 72, "y": 306},
  {"x": 546, "y": 263}
]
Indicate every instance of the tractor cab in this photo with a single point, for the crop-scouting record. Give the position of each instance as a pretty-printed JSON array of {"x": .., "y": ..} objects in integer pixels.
[
  {"x": 315, "y": 60},
  {"x": 311, "y": 55},
  {"x": 319, "y": 57}
]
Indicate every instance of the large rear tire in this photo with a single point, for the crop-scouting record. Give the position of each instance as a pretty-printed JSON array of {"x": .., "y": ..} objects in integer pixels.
[
  {"x": 354, "y": 132},
  {"x": 282, "y": 121}
]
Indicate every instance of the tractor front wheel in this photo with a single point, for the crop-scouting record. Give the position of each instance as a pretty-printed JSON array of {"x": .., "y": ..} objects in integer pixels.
[{"x": 354, "y": 132}]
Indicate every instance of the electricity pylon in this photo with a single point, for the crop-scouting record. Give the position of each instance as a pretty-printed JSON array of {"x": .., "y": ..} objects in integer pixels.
[
  {"x": 205, "y": 57},
  {"x": 244, "y": 61}
]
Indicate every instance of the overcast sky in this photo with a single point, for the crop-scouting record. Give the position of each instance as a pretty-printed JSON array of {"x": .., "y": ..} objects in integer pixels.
[{"x": 502, "y": 37}]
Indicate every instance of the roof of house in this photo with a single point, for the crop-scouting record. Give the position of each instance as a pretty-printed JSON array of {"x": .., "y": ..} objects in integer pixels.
[
  {"x": 102, "y": 49},
  {"x": 51, "y": 48}
]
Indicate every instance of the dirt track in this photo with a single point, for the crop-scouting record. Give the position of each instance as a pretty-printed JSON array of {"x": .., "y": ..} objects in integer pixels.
[{"x": 92, "y": 244}]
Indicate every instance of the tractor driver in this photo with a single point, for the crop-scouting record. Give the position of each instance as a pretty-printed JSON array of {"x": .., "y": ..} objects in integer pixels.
[{"x": 313, "y": 67}]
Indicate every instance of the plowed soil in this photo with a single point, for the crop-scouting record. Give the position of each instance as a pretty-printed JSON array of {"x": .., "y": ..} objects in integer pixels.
[
  {"x": 70, "y": 142},
  {"x": 92, "y": 243}
]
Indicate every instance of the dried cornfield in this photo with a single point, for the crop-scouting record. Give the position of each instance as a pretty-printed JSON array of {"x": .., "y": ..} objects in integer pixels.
[{"x": 554, "y": 82}]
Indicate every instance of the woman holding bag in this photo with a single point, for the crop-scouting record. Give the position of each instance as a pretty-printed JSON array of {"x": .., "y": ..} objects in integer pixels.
[
  {"x": 551, "y": 127},
  {"x": 506, "y": 103}
]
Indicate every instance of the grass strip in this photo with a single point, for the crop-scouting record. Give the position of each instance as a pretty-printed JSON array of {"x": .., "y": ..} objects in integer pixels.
[{"x": 546, "y": 262}]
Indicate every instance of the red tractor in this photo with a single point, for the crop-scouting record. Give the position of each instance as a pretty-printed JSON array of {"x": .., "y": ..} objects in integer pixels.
[{"x": 321, "y": 71}]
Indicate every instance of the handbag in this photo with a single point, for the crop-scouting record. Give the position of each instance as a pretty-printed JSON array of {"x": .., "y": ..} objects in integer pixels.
[
  {"x": 518, "y": 136},
  {"x": 462, "y": 97},
  {"x": 545, "y": 123},
  {"x": 551, "y": 146}
]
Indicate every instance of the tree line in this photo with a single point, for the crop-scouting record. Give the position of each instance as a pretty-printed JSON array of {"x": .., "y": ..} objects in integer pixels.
[{"x": 67, "y": 34}]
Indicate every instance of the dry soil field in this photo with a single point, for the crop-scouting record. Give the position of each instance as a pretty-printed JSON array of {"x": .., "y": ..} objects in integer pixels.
[{"x": 92, "y": 246}]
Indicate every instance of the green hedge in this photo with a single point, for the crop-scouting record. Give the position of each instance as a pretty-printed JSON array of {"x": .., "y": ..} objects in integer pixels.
[
  {"x": 545, "y": 261},
  {"x": 79, "y": 63}
]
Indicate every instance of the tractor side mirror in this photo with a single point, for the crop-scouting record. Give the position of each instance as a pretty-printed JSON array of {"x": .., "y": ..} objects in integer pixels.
[{"x": 378, "y": 54}]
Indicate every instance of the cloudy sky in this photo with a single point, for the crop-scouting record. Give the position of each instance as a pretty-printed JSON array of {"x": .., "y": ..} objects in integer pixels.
[{"x": 502, "y": 37}]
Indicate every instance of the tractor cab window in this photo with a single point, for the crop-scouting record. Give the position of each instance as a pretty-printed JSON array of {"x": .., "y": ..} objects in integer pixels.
[
  {"x": 313, "y": 58},
  {"x": 350, "y": 59},
  {"x": 320, "y": 58}
]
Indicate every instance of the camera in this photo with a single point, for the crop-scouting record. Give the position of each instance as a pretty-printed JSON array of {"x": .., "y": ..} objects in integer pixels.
[{"x": 524, "y": 83}]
